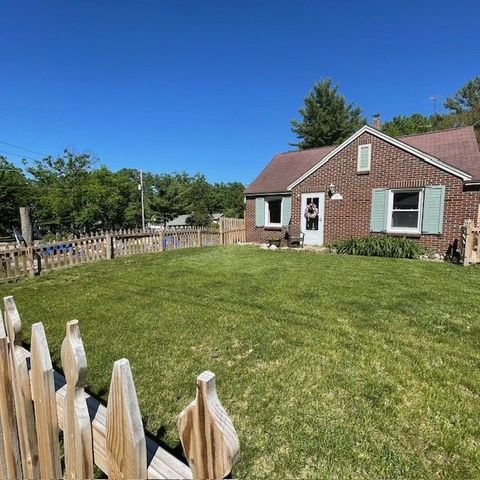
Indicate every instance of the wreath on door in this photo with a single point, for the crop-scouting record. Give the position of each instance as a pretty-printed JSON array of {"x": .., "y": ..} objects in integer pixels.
[{"x": 311, "y": 211}]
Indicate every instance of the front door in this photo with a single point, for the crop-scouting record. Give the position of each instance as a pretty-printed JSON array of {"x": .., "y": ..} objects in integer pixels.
[{"x": 313, "y": 206}]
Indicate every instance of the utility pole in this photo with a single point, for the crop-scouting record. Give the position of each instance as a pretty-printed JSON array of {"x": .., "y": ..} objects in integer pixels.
[{"x": 143, "y": 201}]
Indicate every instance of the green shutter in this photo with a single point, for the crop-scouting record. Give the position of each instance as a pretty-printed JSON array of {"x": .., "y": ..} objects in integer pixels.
[
  {"x": 259, "y": 212},
  {"x": 286, "y": 210},
  {"x": 378, "y": 215},
  {"x": 433, "y": 209}
]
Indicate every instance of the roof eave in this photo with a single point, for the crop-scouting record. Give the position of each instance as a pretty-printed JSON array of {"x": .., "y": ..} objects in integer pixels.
[{"x": 258, "y": 194}]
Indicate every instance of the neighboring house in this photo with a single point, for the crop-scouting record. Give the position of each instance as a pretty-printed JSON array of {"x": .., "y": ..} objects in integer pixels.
[
  {"x": 183, "y": 220},
  {"x": 180, "y": 221},
  {"x": 418, "y": 186}
]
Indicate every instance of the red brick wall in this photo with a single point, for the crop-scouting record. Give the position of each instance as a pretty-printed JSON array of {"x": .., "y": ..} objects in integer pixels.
[{"x": 391, "y": 167}]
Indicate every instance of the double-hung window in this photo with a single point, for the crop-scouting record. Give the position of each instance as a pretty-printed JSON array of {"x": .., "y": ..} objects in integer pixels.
[
  {"x": 273, "y": 211},
  {"x": 405, "y": 211}
]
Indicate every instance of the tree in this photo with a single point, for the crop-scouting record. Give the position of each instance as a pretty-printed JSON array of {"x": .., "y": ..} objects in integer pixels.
[
  {"x": 200, "y": 206},
  {"x": 227, "y": 198},
  {"x": 166, "y": 197},
  {"x": 466, "y": 98},
  {"x": 407, "y": 125},
  {"x": 326, "y": 117},
  {"x": 15, "y": 192}
]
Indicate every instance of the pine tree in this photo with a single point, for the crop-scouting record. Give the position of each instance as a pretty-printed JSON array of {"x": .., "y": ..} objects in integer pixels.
[
  {"x": 466, "y": 98},
  {"x": 326, "y": 117}
]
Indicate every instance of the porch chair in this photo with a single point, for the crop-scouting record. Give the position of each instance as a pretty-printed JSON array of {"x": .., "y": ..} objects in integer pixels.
[{"x": 294, "y": 236}]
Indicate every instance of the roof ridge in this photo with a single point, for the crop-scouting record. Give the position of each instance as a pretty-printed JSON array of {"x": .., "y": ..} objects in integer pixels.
[{"x": 434, "y": 131}]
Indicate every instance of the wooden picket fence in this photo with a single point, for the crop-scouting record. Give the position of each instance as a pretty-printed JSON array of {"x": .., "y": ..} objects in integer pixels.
[
  {"x": 18, "y": 262},
  {"x": 37, "y": 402},
  {"x": 470, "y": 242},
  {"x": 232, "y": 230}
]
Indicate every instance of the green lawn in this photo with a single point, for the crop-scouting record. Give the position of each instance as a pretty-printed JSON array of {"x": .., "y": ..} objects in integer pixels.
[{"x": 330, "y": 366}]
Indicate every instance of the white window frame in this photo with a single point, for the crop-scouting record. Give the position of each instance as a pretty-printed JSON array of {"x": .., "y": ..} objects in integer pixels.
[
  {"x": 267, "y": 211},
  {"x": 369, "y": 146},
  {"x": 407, "y": 230}
]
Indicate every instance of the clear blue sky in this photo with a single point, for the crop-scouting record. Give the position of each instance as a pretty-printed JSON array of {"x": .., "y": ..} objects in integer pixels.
[{"x": 211, "y": 86}]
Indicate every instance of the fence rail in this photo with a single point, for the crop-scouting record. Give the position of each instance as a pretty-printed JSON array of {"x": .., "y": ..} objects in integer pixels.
[
  {"x": 18, "y": 262},
  {"x": 36, "y": 402}
]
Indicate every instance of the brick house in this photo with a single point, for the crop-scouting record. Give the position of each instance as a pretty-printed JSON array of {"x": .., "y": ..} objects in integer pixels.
[{"x": 419, "y": 186}]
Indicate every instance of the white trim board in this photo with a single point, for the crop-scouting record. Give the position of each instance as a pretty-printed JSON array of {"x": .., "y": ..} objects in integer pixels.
[{"x": 393, "y": 141}]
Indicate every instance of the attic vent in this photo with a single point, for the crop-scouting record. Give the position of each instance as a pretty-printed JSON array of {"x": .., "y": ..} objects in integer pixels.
[{"x": 364, "y": 157}]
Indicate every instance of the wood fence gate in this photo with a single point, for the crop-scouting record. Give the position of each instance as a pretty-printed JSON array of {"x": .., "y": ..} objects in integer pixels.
[{"x": 37, "y": 402}]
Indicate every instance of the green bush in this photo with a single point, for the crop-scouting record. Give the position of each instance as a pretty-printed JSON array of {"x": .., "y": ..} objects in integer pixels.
[{"x": 385, "y": 246}]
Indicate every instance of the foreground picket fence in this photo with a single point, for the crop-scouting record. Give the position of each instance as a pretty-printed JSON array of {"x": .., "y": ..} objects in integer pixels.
[
  {"x": 17, "y": 262},
  {"x": 36, "y": 402}
]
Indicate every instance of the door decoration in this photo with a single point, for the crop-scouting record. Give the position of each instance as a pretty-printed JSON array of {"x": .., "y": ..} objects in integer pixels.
[{"x": 311, "y": 211}]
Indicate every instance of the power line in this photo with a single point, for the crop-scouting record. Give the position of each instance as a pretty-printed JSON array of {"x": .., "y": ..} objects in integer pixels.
[
  {"x": 23, "y": 148},
  {"x": 18, "y": 155}
]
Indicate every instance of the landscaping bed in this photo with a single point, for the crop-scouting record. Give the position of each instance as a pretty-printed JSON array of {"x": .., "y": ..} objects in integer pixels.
[{"x": 330, "y": 366}]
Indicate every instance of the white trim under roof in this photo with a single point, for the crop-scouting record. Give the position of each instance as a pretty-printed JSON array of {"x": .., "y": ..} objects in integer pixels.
[{"x": 397, "y": 143}]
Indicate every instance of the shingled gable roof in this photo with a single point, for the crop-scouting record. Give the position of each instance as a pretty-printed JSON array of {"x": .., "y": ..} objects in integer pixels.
[{"x": 455, "y": 150}]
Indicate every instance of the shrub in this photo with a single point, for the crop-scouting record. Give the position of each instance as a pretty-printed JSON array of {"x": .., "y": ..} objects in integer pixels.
[{"x": 385, "y": 246}]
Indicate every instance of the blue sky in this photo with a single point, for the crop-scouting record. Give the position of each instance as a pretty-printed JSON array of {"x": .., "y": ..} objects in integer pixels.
[{"x": 211, "y": 86}]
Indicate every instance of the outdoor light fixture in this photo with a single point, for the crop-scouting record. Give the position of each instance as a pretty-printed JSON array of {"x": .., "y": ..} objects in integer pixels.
[{"x": 332, "y": 192}]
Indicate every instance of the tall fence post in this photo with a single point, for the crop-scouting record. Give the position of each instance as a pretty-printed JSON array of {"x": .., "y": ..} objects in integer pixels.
[
  {"x": 109, "y": 242},
  {"x": 220, "y": 229},
  {"x": 199, "y": 237},
  {"x": 469, "y": 239}
]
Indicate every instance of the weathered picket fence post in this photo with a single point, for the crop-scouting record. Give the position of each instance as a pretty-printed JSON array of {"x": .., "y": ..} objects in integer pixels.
[
  {"x": 21, "y": 392},
  {"x": 208, "y": 436},
  {"x": 125, "y": 437},
  {"x": 44, "y": 398},
  {"x": 76, "y": 419},
  {"x": 9, "y": 446}
]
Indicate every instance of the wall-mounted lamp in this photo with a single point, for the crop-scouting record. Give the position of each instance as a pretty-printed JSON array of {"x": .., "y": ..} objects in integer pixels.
[{"x": 332, "y": 192}]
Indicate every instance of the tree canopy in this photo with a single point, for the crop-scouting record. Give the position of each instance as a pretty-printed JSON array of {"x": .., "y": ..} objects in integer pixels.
[
  {"x": 466, "y": 98},
  {"x": 68, "y": 194},
  {"x": 14, "y": 193},
  {"x": 327, "y": 119},
  {"x": 407, "y": 125}
]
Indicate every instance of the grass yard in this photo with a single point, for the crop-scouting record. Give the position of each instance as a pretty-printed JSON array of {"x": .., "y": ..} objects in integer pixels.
[{"x": 330, "y": 366}]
